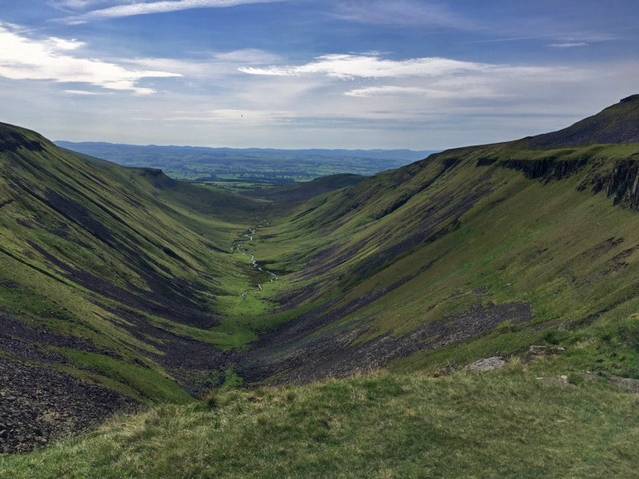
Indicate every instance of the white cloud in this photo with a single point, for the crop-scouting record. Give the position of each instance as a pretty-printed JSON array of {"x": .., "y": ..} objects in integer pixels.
[
  {"x": 163, "y": 6},
  {"x": 25, "y": 58},
  {"x": 78, "y": 4},
  {"x": 82, "y": 92},
  {"x": 569, "y": 44},
  {"x": 61, "y": 44},
  {"x": 434, "y": 93},
  {"x": 186, "y": 68},
  {"x": 251, "y": 56},
  {"x": 347, "y": 66},
  {"x": 215, "y": 65}
]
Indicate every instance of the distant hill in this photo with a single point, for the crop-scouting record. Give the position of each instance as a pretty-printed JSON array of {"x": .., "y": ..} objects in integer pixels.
[
  {"x": 249, "y": 164},
  {"x": 617, "y": 124}
]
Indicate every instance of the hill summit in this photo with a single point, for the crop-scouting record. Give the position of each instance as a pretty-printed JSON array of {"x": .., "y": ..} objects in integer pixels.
[
  {"x": 617, "y": 124},
  {"x": 12, "y": 138}
]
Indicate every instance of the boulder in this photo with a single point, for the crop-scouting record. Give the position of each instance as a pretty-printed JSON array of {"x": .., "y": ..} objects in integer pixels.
[{"x": 486, "y": 364}]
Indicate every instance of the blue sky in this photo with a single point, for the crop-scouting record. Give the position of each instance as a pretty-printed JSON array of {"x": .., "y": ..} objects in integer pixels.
[{"x": 421, "y": 74}]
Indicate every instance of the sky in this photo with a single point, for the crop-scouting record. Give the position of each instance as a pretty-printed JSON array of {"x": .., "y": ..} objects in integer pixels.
[{"x": 419, "y": 74}]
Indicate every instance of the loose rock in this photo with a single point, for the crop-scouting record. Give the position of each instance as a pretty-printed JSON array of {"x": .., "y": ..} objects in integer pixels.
[{"x": 486, "y": 364}]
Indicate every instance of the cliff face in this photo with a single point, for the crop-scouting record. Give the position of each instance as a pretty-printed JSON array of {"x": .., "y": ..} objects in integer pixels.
[
  {"x": 622, "y": 184},
  {"x": 617, "y": 178},
  {"x": 550, "y": 168},
  {"x": 579, "y": 148}
]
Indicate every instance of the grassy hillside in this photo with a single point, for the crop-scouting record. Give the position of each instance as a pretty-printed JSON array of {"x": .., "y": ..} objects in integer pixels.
[
  {"x": 494, "y": 247},
  {"x": 119, "y": 286},
  {"x": 112, "y": 284},
  {"x": 470, "y": 253},
  {"x": 506, "y": 424}
]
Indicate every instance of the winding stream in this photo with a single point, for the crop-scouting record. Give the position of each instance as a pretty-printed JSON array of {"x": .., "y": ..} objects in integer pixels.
[{"x": 241, "y": 246}]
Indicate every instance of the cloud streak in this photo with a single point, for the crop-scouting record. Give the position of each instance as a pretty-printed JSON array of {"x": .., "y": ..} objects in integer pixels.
[
  {"x": 401, "y": 12},
  {"x": 433, "y": 93},
  {"x": 82, "y": 92},
  {"x": 163, "y": 6},
  {"x": 348, "y": 66},
  {"x": 55, "y": 59},
  {"x": 569, "y": 44}
]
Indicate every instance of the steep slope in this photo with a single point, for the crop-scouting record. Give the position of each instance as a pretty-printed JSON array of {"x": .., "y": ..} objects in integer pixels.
[
  {"x": 110, "y": 285},
  {"x": 470, "y": 253},
  {"x": 118, "y": 286}
]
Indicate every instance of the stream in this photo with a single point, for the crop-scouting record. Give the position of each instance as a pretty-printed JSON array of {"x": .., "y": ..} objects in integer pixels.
[{"x": 241, "y": 246}]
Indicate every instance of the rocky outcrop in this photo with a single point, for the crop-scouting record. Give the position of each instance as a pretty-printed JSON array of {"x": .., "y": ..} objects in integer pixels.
[
  {"x": 621, "y": 184},
  {"x": 546, "y": 169},
  {"x": 343, "y": 354},
  {"x": 486, "y": 364}
]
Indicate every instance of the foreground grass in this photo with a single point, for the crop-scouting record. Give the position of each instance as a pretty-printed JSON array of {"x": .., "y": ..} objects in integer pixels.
[{"x": 507, "y": 424}]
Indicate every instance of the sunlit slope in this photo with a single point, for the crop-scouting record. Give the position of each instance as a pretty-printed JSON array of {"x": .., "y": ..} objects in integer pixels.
[
  {"x": 126, "y": 262},
  {"x": 473, "y": 252}
]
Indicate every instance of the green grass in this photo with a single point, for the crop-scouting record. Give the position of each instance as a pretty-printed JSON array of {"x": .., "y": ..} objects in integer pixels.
[
  {"x": 142, "y": 236},
  {"x": 503, "y": 424},
  {"x": 548, "y": 242},
  {"x": 142, "y": 383}
]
